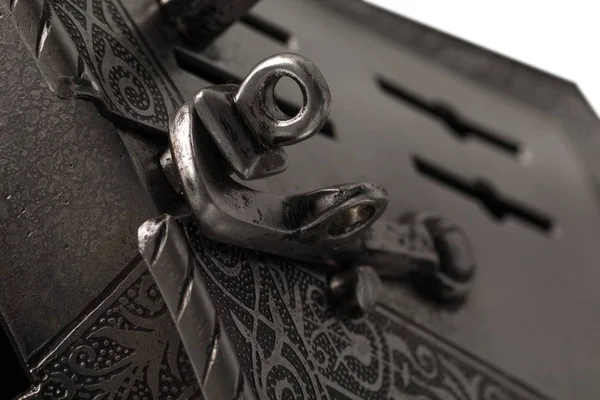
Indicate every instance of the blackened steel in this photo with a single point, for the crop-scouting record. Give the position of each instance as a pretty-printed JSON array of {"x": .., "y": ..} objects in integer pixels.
[
  {"x": 208, "y": 346},
  {"x": 201, "y": 21}
]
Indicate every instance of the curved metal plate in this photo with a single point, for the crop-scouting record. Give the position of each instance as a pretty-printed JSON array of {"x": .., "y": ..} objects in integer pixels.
[{"x": 532, "y": 312}]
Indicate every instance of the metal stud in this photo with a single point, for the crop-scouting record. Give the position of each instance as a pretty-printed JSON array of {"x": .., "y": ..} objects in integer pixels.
[{"x": 355, "y": 291}]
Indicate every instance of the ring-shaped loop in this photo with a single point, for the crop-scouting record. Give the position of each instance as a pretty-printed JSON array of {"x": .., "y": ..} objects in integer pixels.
[{"x": 256, "y": 102}]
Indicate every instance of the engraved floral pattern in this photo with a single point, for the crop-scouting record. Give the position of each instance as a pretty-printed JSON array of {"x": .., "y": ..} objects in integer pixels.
[
  {"x": 294, "y": 345},
  {"x": 289, "y": 341},
  {"x": 129, "y": 350},
  {"x": 116, "y": 61}
]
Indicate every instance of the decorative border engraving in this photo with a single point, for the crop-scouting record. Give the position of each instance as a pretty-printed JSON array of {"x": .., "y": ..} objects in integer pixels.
[
  {"x": 90, "y": 49},
  {"x": 113, "y": 54},
  {"x": 126, "y": 348},
  {"x": 289, "y": 341},
  {"x": 294, "y": 344}
]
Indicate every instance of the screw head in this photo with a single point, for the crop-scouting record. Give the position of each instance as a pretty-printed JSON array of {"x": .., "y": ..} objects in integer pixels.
[{"x": 355, "y": 291}]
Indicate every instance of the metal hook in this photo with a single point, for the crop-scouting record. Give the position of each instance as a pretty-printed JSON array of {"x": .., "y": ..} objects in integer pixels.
[
  {"x": 239, "y": 128},
  {"x": 308, "y": 226}
]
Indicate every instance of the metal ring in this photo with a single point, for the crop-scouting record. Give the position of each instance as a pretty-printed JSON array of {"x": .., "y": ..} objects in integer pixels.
[{"x": 255, "y": 100}]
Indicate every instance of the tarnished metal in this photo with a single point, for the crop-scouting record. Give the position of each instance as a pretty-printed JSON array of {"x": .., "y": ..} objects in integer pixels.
[
  {"x": 72, "y": 201},
  {"x": 355, "y": 291},
  {"x": 208, "y": 346},
  {"x": 246, "y": 123},
  {"x": 428, "y": 251},
  {"x": 451, "y": 279},
  {"x": 255, "y": 100},
  {"x": 238, "y": 128},
  {"x": 200, "y": 21},
  {"x": 310, "y": 226},
  {"x": 306, "y": 226}
]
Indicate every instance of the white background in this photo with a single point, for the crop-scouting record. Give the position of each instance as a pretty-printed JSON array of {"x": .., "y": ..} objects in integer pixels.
[{"x": 560, "y": 37}]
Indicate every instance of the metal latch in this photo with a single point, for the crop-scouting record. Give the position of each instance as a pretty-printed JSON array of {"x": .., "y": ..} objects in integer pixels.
[{"x": 239, "y": 129}]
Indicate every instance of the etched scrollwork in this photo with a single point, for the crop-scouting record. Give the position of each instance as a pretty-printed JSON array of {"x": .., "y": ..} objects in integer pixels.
[
  {"x": 129, "y": 349},
  {"x": 287, "y": 338},
  {"x": 290, "y": 319},
  {"x": 126, "y": 81},
  {"x": 105, "y": 60}
]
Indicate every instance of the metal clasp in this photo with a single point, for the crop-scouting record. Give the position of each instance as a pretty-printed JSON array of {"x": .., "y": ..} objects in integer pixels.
[{"x": 240, "y": 129}]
